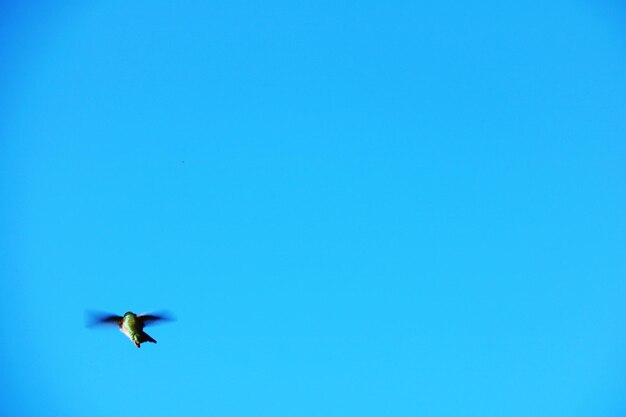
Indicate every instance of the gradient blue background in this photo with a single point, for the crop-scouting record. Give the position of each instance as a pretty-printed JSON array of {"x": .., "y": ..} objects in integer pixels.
[{"x": 353, "y": 208}]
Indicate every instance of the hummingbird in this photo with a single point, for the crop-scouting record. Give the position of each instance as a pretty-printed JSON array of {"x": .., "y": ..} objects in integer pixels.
[{"x": 130, "y": 324}]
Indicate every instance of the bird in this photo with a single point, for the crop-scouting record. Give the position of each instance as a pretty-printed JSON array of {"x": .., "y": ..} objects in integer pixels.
[{"x": 130, "y": 324}]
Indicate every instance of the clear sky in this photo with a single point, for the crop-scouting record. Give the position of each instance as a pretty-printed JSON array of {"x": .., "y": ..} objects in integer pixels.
[{"x": 353, "y": 208}]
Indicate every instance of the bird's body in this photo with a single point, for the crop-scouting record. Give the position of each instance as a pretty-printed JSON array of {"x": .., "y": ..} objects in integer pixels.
[{"x": 131, "y": 325}]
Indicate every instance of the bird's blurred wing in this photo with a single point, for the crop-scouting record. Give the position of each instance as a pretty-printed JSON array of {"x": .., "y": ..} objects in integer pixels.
[
  {"x": 97, "y": 318},
  {"x": 152, "y": 318}
]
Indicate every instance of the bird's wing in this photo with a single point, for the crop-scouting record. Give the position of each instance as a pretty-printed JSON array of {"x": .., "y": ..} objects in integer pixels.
[
  {"x": 96, "y": 318},
  {"x": 148, "y": 319}
]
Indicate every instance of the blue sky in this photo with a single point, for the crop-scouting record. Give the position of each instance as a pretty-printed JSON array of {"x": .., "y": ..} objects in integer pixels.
[{"x": 353, "y": 209}]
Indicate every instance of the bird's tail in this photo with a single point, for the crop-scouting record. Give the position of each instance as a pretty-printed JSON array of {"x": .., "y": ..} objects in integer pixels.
[{"x": 145, "y": 337}]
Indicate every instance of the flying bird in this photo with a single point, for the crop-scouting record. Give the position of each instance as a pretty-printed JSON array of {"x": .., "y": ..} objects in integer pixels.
[{"x": 130, "y": 324}]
